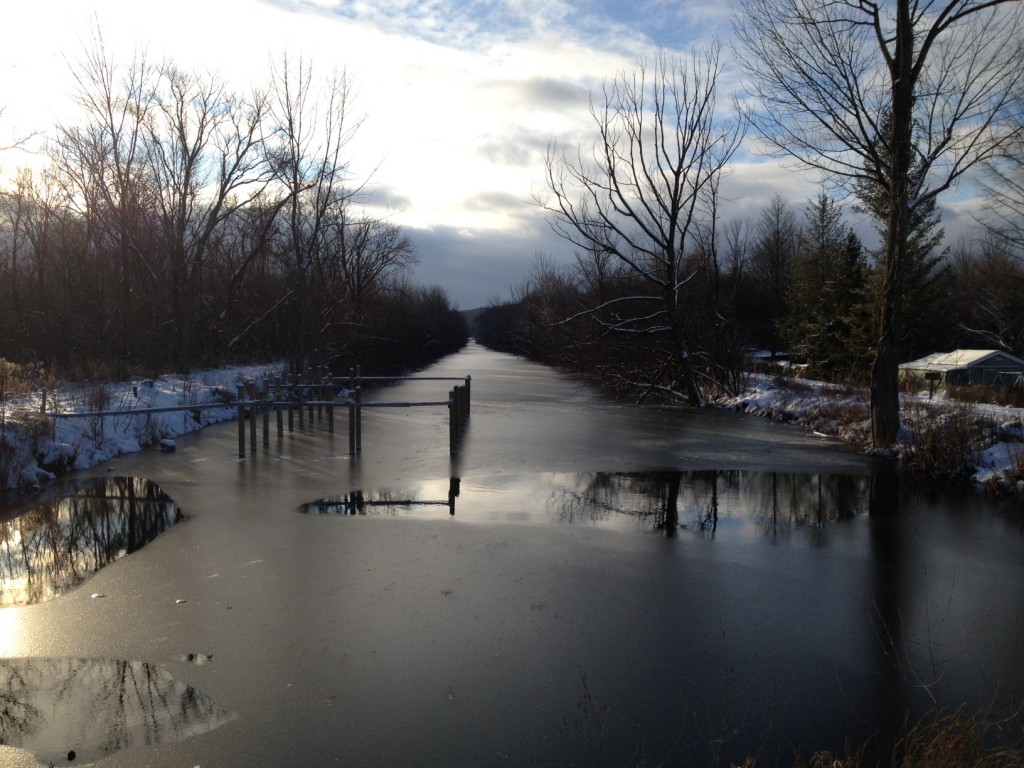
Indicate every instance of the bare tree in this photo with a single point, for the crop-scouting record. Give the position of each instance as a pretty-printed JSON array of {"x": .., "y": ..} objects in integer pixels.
[
  {"x": 18, "y": 140},
  {"x": 986, "y": 287},
  {"x": 369, "y": 254},
  {"x": 641, "y": 194},
  {"x": 205, "y": 151},
  {"x": 311, "y": 129},
  {"x": 103, "y": 166},
  {"x": 1004, "y": 185},
  {"x": 360, "y": 259},
  {"x": 908, "y": 95}
]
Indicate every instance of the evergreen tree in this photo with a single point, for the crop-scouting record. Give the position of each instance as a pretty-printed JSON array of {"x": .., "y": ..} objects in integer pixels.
[
  {"x": 850, "y": 340},
  {"x": 763, "y": 303},
  {"x": 825, "y": 325}
]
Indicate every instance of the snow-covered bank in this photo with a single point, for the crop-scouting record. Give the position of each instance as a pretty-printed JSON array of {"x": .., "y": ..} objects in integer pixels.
[
  {"x": 996, "y": 456},
  {"x": 36, "y": 447}
]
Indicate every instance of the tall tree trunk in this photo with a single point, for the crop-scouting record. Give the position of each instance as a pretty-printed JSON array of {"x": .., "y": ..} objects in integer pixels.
[
  {"x": 885, "y": 404},
  {"x": 687, "y": 375}
]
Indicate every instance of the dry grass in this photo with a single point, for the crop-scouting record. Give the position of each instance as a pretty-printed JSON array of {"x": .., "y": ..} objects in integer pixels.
[
  {"x": 953, "y": 740},
  {"x": 940, "y": 739},
  {"x": 1012, "y": 479},
  {"x": 975, "y": 393},
  {"x": 941, "y": 440}
]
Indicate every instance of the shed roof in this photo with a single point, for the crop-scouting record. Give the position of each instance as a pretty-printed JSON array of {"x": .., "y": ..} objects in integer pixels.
[{"x": 957, "y": 359}]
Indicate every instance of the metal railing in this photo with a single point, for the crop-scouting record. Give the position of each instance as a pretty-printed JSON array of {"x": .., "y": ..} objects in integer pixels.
[{"x": 297, "y": 398}]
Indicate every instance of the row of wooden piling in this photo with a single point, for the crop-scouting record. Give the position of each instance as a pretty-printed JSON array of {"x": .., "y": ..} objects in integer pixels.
[{"x": 318, "y": 396}]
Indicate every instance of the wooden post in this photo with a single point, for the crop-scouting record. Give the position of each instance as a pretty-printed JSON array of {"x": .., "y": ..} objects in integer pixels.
[
  {"x": 291, "y": 406},
  {"x": 241, "y": 423},
  {"x": 266, "y": 422},
  {"x": 453, "y": 435},
  {"x": 308, "y": 393},
  {"x": 42, "y": 405},
  {"x": 277, "y": 407},
  {"x": 468, "y": 380},
  {"x": 454, "y": 484},
  {"x": 351, "y": 425},
  {"x": 463, "y": 408},
  {"x": 300, "y": 405},
  {"x": 252, "y": 427},
  {"x": 359, "y": 419},
  {"x": 320, "y": 392}
]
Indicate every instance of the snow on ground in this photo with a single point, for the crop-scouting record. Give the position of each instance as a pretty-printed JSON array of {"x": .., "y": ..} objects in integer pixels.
[
  {"x": 49, "y": 446},
  {"x": 842, "y": 412},
  {"x": 38, "y": 447}
]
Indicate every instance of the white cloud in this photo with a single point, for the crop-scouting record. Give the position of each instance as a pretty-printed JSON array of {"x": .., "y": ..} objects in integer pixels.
[{"x": 461, "y": 97}]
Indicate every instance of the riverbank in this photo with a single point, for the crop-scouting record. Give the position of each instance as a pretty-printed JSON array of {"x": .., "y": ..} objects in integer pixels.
[
  {"x": 941, "y": 438},
  {"x": 36, "y": 447}
]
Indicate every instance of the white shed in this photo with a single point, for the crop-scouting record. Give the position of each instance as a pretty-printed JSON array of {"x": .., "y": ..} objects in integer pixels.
[{"x": 987, "y": 367}]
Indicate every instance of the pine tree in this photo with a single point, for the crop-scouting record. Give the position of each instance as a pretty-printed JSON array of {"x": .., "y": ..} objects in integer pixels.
[
  {"x": 764, "y": 304},
  {"x": 825, "y": 326},
  {"x": 850, "y": 340}
]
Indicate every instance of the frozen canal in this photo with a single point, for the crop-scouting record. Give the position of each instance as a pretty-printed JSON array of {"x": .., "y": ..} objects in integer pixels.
[{"x": 583, "y": 577}]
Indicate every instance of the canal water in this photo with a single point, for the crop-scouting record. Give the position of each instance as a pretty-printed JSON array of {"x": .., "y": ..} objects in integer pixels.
[{"x": 584, "y": 583}]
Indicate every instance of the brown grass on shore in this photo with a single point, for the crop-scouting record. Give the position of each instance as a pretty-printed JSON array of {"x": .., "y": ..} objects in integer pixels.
[{"x": 940, "y": 739}]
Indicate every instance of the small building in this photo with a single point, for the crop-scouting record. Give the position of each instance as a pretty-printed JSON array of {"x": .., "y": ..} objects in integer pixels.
[{"x": 983, "y": 367}]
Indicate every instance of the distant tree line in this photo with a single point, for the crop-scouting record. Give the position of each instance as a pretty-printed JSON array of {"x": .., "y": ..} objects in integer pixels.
[
  {"x": 178, "y": 223},
  {"x": 791, "y": 281}
]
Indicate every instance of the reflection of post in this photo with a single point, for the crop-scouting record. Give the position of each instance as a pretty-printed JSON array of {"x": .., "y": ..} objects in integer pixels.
[{"x": 454, "y": 484}]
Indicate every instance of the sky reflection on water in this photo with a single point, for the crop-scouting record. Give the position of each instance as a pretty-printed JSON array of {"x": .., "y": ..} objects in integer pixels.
[
  {"x": 75, "y": 711},
  {"x": 710, "y": 504},
  {"x": 61, "y": 541}
]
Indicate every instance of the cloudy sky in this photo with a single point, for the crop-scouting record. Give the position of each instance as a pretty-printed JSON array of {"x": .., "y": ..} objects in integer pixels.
[{"x": 460, "y": 98}]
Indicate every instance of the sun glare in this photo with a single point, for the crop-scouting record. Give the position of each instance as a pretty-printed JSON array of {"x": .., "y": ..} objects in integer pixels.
[{"x": 10, "y": 632}]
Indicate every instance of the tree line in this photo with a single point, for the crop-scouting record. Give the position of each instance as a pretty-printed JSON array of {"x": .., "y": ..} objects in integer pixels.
[
  {"x": 891, "y": 104},
  {"x": 179, "y": 223},
  {"x": 794, "y": 282}
]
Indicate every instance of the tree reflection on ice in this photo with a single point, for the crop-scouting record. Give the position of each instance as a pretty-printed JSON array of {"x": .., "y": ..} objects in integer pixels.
[
  {"x": 671, "y": 501},
  {"x": 56, "y": 545},
  {"x": 381, "y": 504},
  {"x": 67, "y": 711},
  {"x": 668, "y": 502}
]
